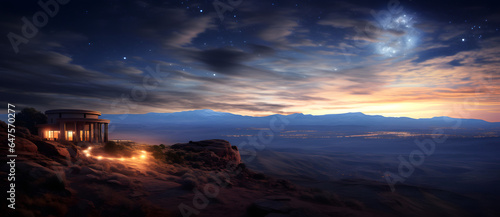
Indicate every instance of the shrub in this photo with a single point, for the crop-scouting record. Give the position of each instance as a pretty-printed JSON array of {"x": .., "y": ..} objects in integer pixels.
[
  {"x": 114, "y": 148},
  {"x": 157, "y": 152},
  {"x": 175, "y": 156},
  {"x": 29, "y": 118}
]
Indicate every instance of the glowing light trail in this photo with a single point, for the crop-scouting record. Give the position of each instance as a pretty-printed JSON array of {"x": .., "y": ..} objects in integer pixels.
[{"x": 100, "y": 157}]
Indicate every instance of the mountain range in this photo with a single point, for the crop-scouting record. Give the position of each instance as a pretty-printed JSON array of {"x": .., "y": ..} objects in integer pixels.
[
  {"x": 203, "y": 124},
  {"x": 207, "y": 116}
]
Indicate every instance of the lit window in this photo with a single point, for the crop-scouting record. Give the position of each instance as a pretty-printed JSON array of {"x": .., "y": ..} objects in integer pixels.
[{"x": 69, "y": 135}]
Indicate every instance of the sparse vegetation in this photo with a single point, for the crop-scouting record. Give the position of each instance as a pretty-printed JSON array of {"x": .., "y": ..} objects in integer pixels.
[
  {"x": 175, "y": 156},
  {"x": 157, "y": 152},
  {"x": 112, "y": 147},
  {"x": 29, "y": 118},
  {"x": 117, "y": 149}
]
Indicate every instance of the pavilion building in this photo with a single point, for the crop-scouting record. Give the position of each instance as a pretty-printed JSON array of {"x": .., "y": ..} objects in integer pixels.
[{"x": 74, "y": 125}]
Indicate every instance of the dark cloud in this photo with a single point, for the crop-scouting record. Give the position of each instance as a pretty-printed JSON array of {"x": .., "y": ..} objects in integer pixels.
[
  {"x": 231, "y": 61},
  {"x": 261, "y": 50},
  {"x": 224, "y": 60}
]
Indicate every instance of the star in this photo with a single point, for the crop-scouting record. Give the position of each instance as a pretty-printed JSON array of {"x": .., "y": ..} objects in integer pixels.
[
  {"x": 124, "y": 58},
  {"x": 391, "y": 44}
]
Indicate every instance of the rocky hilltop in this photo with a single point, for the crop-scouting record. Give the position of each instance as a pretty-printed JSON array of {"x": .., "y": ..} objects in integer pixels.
[
  {"x": 203, "y": 178},
  {"x": 212, "y": 152}
]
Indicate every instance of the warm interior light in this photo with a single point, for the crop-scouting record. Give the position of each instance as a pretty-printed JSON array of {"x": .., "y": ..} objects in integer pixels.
[
  {"x": 99, "y": 157},
  {"x": 51, "y": 135},
  {"x": 69, "y": 135}
]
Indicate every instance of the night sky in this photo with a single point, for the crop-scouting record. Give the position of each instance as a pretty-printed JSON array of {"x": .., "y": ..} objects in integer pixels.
[{"x": 393, "y": 58}]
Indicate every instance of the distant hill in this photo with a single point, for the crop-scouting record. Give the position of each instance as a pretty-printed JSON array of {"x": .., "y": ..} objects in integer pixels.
[
  {"x": 201, "y": 124},
  {"x": 207, "y": 116}
]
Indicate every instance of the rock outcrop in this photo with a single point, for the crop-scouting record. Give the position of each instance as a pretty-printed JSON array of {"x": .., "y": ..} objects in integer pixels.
[
  {"x": 57, "y": 179},
  {"x": 211, "y": 151},
  {"x": 53, "y": 149},
  {"x": 22, "y": 144}
]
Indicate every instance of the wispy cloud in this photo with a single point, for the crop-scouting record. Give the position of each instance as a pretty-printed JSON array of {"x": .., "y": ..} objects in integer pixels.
[{"x": 263, "y": 59}]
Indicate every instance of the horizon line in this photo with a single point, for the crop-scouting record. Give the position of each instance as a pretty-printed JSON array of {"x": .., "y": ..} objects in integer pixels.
[{"x": 292, "y": 113}]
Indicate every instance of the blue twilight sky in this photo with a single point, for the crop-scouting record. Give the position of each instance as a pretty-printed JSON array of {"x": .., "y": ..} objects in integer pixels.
[{"x": 393, "y": 58}]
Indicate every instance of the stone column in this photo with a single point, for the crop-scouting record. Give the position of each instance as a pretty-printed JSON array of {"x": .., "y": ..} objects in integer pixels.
[
  {"x": 83, "y": 132},
  {"x": 106, "y": 132},
  {"x": 62, "y": 130},
  {"x": 96, "y": 131},
  {"x": 88, "y": 135},
  {"x": 82, "y": 128},
  {"x": 100, "y": 132},
  {"x": 77, "y": 133},
  {"x": 91, "y": 131}
]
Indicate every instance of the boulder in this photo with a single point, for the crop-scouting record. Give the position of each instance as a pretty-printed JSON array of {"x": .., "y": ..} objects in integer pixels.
[
  {"x": 23, "y": 132},
  {"x": 22, "y": 144},
  {"x": 116, "y": 182},
  {"x": 120, "y": 179},
  {"x": 25, "y": 145},
  {"x": 52, "y": 149},
  {"x": 73, "y": 152},
  {"x": 92, "y": 177},
  {"x": 38, "y": 175},
  {"x": 35, "y": 171},
  {"x": 87, "y": 170}
]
